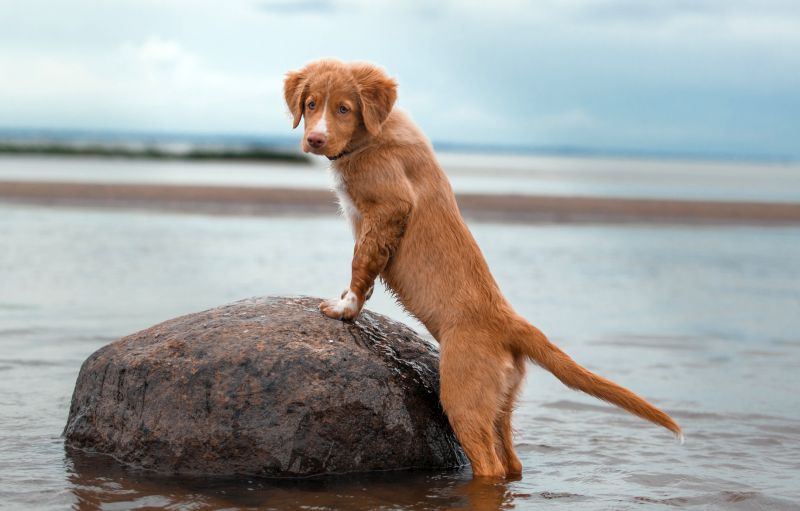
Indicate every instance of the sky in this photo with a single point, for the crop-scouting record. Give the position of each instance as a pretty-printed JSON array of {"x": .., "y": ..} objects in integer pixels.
[{"x": 680, "y": 76}]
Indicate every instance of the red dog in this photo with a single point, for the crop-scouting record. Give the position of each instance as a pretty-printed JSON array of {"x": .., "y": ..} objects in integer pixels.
[{"x": 409, "y": 232}]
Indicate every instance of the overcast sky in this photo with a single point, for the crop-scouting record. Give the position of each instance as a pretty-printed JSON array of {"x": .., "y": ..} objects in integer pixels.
[{"x": 706, "y": 76}]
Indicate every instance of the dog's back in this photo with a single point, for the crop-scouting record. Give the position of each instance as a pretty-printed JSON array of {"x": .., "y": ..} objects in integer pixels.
[{"x": 409, "y": 231}]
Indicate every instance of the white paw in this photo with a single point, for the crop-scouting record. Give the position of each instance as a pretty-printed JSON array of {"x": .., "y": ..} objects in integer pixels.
[{"x": 346, "y": 307}]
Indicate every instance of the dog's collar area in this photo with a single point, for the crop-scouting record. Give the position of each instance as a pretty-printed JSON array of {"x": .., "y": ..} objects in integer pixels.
[
  {"x": 343, "y": 153},
  {"x": 358, "y": 148}
]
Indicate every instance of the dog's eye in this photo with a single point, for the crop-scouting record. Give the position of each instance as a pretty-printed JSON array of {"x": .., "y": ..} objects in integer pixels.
[
  {"x": 343, "y": 109},
  {"x": 312, "y": 105}
]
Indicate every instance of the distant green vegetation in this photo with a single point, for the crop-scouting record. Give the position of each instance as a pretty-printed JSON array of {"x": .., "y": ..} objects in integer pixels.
[{"x": 252, "y": 153}]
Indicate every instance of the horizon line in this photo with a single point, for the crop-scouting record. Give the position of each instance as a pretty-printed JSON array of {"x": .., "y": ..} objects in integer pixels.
[{"x": 101, "y": 135}]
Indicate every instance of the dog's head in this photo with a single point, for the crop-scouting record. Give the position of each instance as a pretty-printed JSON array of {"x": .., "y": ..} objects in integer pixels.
[{"x": 339, "y": 102}]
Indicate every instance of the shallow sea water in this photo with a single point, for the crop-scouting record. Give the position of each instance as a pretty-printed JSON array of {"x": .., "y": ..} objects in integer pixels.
[{"x": 703, "y": 321}]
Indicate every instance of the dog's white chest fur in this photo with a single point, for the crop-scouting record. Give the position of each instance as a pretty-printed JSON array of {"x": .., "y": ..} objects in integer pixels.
[{"x": 346, "y": 206}]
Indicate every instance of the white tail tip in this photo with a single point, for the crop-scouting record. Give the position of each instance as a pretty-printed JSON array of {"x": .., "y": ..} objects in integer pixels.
[{"x": 680, "y": 438}]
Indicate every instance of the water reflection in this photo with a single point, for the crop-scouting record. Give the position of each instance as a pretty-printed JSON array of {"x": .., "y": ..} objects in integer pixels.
[
  {"x": 99, "y": 482},
  {"x": 485, "y": 494}
]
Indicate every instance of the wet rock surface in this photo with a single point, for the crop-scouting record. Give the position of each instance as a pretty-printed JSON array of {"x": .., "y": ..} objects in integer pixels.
[{"x": 265, "y": 386}]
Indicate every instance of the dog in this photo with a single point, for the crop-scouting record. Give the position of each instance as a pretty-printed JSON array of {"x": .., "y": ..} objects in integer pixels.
[{"x": 408, "y": 231}]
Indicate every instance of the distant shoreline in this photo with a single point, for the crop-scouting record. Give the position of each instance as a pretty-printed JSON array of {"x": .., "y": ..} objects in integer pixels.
[
  {"x": 151, "y": 151},
  {"x": 285, "y": 142},
  {"x": 230, "y": 200}
]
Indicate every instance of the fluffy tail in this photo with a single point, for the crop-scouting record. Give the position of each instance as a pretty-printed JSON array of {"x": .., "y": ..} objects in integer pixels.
[{"x": 535, "y": 344}]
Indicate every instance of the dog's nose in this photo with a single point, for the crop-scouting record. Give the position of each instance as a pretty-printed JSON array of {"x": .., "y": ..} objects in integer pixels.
[{"x": 317, "y": 140}]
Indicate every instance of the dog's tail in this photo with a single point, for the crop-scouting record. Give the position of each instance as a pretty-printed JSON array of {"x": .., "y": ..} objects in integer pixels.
[{"x": 533, "y": 343}]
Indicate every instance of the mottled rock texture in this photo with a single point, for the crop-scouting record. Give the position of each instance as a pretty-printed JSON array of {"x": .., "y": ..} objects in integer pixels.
[{"x": 265, "y": 386}]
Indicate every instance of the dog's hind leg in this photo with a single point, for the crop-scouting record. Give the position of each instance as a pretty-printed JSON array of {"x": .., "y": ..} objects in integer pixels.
[
  {"x": 472, "y": 384},
  {"x": 505, "y": 445}
]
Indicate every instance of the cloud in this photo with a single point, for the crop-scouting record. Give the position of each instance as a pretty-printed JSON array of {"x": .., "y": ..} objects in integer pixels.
[
  {"x": 159, "y": 51},
  {"x": 299, "y": 6},
  {"x": 154, "y": 84},
  {"x": 574, "y": 118},
  {"x": 617, "y": 72}
]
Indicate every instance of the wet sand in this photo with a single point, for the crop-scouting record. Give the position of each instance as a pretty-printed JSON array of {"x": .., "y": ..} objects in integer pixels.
[{"x": 249, "y": 200}]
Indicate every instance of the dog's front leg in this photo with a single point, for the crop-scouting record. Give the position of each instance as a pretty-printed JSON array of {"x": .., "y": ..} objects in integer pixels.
[{"x": 381, "y": 231}]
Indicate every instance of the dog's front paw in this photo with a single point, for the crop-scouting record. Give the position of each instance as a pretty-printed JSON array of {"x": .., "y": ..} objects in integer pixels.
[{"x": 347, "y": 307}]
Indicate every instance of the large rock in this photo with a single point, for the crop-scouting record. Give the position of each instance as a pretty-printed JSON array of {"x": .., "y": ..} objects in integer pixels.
[{"x": 265, "y": 386}]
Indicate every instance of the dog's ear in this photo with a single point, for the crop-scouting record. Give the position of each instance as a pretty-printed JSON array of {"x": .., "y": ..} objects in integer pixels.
[
  {"x": 294, "y": 91},
  {"x": 378, "y": 93}
]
